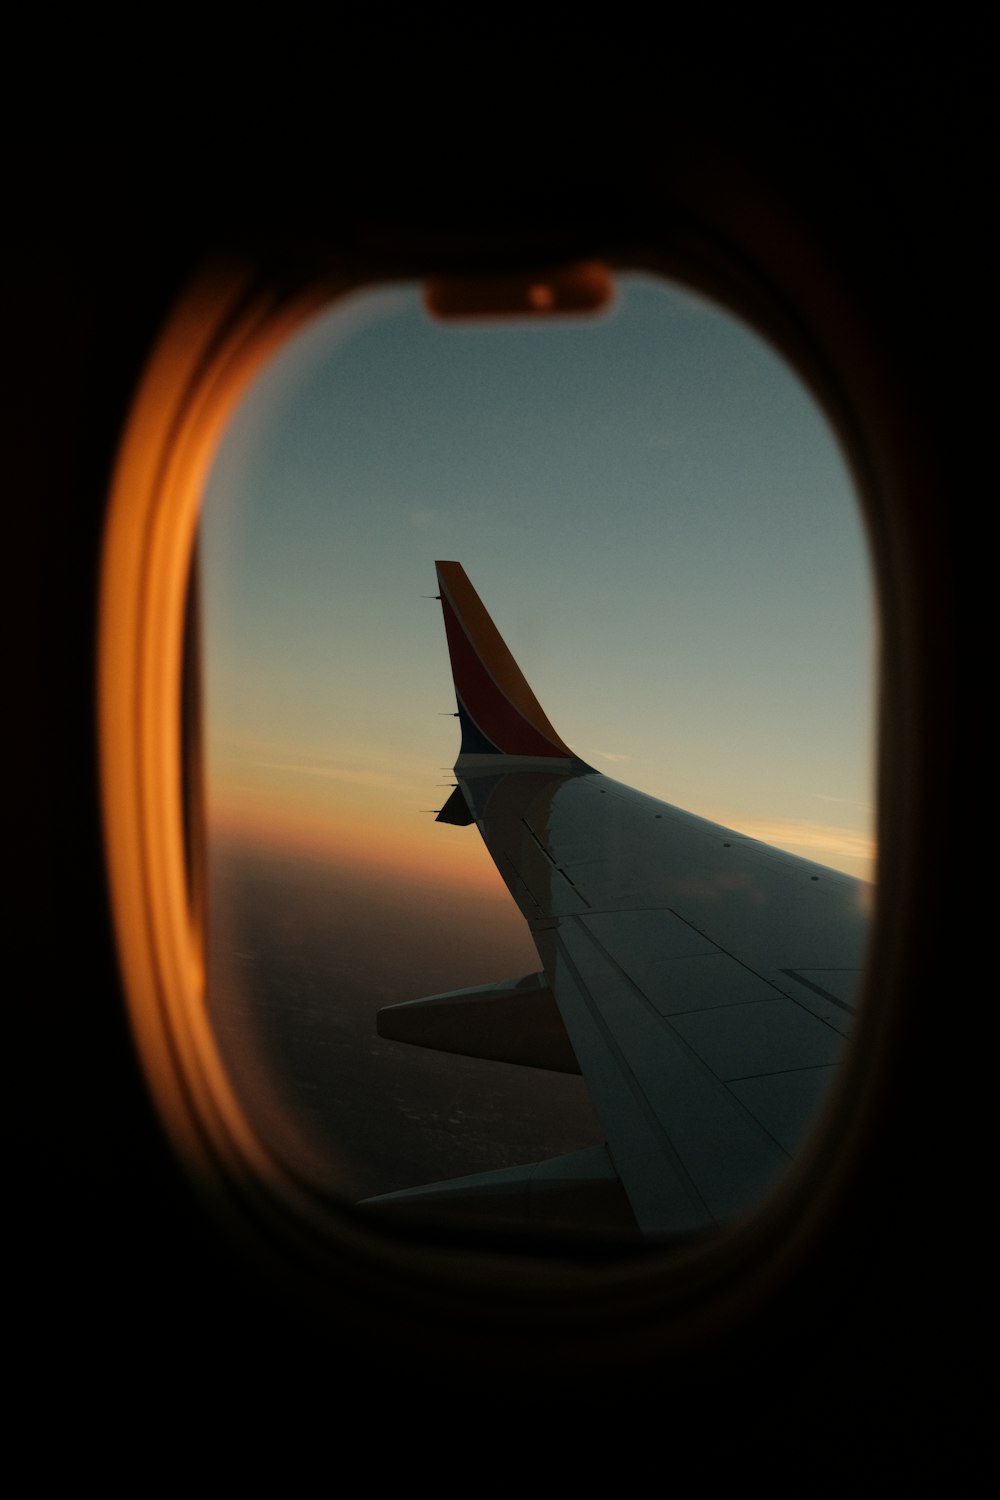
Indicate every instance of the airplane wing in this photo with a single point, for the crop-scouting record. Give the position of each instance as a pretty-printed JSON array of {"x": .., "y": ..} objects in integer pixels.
[{"x": 700, "y": 980}]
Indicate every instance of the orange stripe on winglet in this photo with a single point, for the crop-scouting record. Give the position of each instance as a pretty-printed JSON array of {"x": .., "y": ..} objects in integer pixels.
[{"x": 491, "y": 650}]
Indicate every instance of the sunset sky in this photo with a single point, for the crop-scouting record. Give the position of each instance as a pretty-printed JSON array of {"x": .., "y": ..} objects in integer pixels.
[{"x": 652, "y": 509}]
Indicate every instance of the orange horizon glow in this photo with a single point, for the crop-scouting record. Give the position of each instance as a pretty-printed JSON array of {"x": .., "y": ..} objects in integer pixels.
[
  {"x": 378, "y": 844},
  {"x": 846, "y": 849}
]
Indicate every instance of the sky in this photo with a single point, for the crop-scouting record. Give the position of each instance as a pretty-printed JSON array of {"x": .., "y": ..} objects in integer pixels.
[{"x": 652, "y": 508}]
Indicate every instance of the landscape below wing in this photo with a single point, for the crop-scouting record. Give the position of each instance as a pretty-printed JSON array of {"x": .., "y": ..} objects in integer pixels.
[{"x": 705, "y": 980}]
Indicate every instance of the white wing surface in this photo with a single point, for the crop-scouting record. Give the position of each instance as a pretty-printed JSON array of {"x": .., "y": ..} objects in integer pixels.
[{"x": 705, "y": 980}]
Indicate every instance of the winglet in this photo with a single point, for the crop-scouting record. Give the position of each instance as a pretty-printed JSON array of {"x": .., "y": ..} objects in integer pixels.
[{"x": 499, "y": 713}]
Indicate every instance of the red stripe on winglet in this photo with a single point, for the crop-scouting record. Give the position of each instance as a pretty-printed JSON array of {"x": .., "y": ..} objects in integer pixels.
[{"x": 488, "y": 680}]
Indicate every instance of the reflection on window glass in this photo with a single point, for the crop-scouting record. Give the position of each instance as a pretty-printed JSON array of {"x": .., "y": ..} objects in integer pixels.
[{"x": 661, "y": 524}]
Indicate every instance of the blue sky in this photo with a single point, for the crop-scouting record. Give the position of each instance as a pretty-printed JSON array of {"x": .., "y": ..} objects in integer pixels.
[{"x": 650, "y": 505}]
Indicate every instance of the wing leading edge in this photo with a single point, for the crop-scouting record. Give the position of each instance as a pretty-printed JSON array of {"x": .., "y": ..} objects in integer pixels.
[{"x": 701, "y": 981}]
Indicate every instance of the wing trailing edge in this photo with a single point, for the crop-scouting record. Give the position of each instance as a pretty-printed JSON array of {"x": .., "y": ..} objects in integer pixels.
[{"x": 563, "y": 1193}]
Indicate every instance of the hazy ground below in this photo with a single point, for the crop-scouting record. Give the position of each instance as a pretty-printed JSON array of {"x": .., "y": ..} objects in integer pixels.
[{"x": 302, "y": 954}]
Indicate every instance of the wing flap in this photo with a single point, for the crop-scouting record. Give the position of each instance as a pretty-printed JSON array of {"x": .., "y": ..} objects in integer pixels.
[
  {"x": 515, "y": 1022},
  {"x": 580, "y": 1190},
  {"x": 659, "y": 1100}
]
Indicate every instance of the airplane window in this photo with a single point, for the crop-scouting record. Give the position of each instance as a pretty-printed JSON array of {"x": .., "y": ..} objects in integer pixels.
[{"x": 660, "y": 522}]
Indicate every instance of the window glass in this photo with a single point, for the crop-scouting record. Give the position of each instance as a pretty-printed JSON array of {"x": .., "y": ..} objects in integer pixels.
[{"x": 661, "y": 523}]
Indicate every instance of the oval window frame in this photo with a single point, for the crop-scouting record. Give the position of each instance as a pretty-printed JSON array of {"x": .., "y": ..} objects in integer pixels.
[{"x": 222, "y": 330}]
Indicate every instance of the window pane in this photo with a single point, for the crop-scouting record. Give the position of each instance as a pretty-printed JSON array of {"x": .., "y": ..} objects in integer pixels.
[{"x": 662, "y": 525}]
